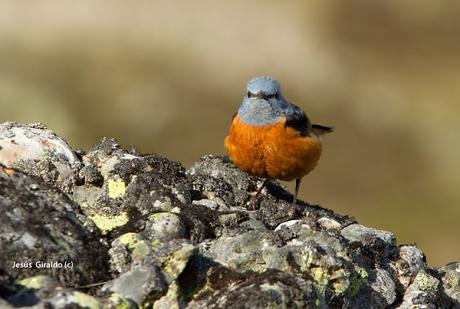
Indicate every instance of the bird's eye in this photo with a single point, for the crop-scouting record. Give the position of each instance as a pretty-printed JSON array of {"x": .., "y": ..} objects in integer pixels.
[
  {"x": 271, "y": 96},
  {"x": 250, "y": 95}
]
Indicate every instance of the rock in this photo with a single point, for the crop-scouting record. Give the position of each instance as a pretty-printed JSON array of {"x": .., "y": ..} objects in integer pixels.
[
  {"x": 207, "y": 203},
  {"x": 384, "y": 287},
  {"x": 43, "y": 232},
  {"x": 322, "y": 259},
  {"x": 186, "y": 239},
  {"x": 172, "y": 300},
  {"x": 174, "y": 256},
  {"x": 273, "y": 213},
  {"x": 31, "y": 291},
  {"x": 201, "y": 222},
  {"x": 423, "y": 292},
  {"x": 381, "y": 244},
  {"x": 121, "y": 187},
  {"x": 329, "y": 223},
  {"x": 253, "y": 225},
  {"x": 164, "y": 226},
  {"x": 46, "y": 292},
  {"x": 143, "y": 285},
  {"x": 4, "y": 304},
  {"x": 131, "y": 254},
  {"x": 72, "y": 299},
  {"x": 270, "y": 289},
  {"x": 117, "y": 301},
  {"x": 218, "y": 175},
  {"x": 410, "y": 263},
  {"x": 287, "y": 224},
  {"x": 243, "y": 252},
  {"x": 38, "y": 151},
  {"x": 129, "y": 249},
  {"x": 450, "y": 277}
]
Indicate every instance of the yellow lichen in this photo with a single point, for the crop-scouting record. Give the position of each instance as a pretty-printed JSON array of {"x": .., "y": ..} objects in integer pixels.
[
  {"x": 141, "y": 250},
  {"x": 453, "y": 281},
  {"x": 136, "y": 244},
  {"x": 33, "y": 282},
  {"x": 176, "y": 263},
  {"x": 340, "y": 281},
  {"x": 121, "y": 302},
  {"x": 156, "y": 243},
  {"x": 131, "y": 240},
  {"x": 170, "y": 300},
  {"x": 361, "y": 272},
  {"x": 86, "y": 301},
  {"x": 320, "y": 275},
  {"x": 426, "y": 282},
  {"x": 157, "y": 216},
  {"x": 106, "y": 223},
  {"x": 117, "y": 188},
  {"x": 229, "y": 219}
]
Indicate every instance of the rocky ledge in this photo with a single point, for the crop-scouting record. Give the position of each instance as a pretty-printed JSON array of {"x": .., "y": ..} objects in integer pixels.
[{"x": 112, "y": 228}]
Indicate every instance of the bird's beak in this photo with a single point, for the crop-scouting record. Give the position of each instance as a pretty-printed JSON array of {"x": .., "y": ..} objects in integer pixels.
[{"x": 260, "y": 96}]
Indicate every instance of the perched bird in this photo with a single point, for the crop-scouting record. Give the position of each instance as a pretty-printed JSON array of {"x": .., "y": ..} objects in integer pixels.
[{"x": 272, "y": 138}]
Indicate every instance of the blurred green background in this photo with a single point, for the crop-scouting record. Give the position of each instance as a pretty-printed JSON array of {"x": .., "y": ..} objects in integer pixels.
[{"x": 167, "y": 77}]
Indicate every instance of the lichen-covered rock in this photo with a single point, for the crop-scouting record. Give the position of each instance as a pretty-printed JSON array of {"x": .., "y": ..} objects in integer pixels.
[
  {"x": 450, "y": 277},
  {"x": 31, "y": 291},
  {"x": 43, "y": 232},
  {"x": 119, "y": 301},
  {"x": 384, "y": 286},
  {"x": 216, "y": 177},
  {"x": 174, "y": 256},
  {"x": 128, "y": 249},
  {"x": 269, "y": 289},
  {"x": 424, "y": 292},
  {"x": 72, "y": 299},
  {"x": 411, "y": 261},
  {"x": 38, "y": 151},
  {"x": 187, "y": 239},
  {"x": 155, "y": 266},
  {"x": 143, "y": 285},
  {"x": 163, "y": 226},
  {"x": 172, "y": 300},
  {"x": 379, "y": 243},
  {"x": 43, "y": 291},
  {"x": 122, "y": 187},
  {"x": 245, "y": 251},
  {"x": 209, "y": 203}
]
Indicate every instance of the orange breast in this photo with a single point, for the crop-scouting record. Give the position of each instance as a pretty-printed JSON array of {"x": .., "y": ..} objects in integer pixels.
[{"x": 273, "y": 151}]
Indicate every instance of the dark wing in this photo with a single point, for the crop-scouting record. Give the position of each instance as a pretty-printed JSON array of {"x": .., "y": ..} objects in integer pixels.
[
  {"x": 321, "y": 130},
  {"x": 297, "y": 119}
]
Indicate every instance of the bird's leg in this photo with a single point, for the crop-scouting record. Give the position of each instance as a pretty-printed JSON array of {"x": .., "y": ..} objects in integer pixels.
[
  {"x": 261, "y": 187},
  {"x": 253, "y": 200},
  {"x": 297, "y": 186}
]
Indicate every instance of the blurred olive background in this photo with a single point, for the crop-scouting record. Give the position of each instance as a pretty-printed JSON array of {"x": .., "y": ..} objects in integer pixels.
[{"x": 167, "y": 77}]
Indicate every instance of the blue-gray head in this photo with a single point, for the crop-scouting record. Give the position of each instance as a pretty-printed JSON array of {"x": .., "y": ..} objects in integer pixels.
[
  {"x": 263, "y": 103},
  {"x": 264, "y": 87}
]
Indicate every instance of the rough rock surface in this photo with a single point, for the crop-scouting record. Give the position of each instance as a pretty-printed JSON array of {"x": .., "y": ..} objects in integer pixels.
[
  {"x": 142, "y": 231},
  {"x": 41, "y": 225},
  {"x": 38, "y": 151}
]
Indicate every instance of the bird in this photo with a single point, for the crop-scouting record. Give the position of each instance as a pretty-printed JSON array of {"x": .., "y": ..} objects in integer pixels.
[{"x": 272, "y": 138}]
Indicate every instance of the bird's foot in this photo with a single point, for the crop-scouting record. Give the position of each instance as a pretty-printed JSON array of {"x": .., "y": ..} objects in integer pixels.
[{"x": 252, "y": 203}]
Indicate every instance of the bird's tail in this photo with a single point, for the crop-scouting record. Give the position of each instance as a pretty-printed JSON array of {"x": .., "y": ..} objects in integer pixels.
[{"x": 321, "y": 130}]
